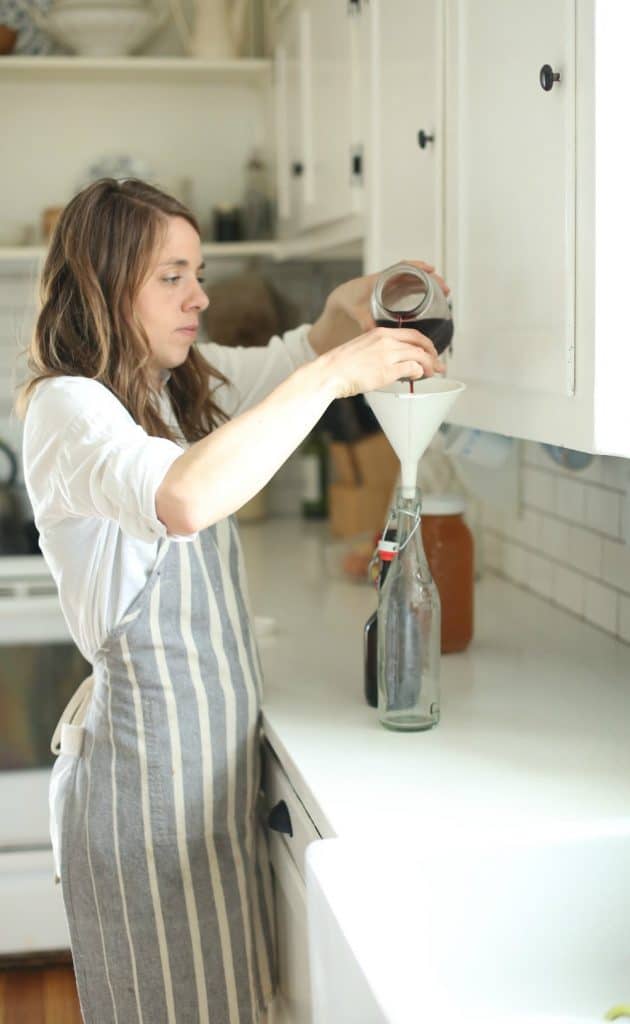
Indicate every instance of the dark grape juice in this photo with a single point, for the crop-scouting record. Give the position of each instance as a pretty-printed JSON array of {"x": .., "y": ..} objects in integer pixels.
[{"x": 440, "y": 331}]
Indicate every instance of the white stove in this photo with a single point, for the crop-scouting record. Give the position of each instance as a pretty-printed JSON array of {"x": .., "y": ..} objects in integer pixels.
[{"x": 39, "y": 668}]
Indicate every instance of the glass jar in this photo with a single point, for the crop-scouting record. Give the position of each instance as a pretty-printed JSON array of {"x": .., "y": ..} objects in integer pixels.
[
  {"x": 450, "y": 551},
  {"x": 406, "y": 296},
  {"x": 408, "y": 648}
]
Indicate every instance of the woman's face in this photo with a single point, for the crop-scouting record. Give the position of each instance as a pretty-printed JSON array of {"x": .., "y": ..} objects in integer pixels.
[{"x": 171, "y": 299}]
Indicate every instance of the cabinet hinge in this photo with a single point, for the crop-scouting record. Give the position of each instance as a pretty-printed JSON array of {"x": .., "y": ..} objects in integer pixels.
[
  {"x": 354, "y": 6},
  {"x": 356, "y": 164}
]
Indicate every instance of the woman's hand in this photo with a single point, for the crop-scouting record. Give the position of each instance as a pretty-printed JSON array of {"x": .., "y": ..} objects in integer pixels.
[
  {"x": 348, "y": 308},
  {"x": 378, "y": 358}
]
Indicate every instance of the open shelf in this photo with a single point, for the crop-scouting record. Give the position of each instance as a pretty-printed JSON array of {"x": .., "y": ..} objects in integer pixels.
[
  {"x": 243, "y": 69},
  {"x": 343, "y": 242},
  {"x": 210, "y": 250}
]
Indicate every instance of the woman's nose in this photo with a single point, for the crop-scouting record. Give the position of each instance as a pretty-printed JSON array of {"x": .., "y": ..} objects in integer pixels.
[{"x": 197, "y": 299}]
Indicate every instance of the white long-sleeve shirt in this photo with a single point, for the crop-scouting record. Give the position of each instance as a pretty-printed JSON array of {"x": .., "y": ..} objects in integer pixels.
[{"x": 92, "y": 474}]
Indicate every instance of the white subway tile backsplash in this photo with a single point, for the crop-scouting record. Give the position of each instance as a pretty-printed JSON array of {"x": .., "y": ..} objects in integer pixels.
[
  {"x": 603, "y": 511},
  {"x": 554, "y": 538},
  {"x": 514, "y": 565},
  {"x": 533, "y": 455},
  {"x": 624, "y": 618},
  {"x": 570, "y": 499},
  {"x": 616, "y": 564},
  {"x": 538, "y": 488},
  {"x": 585, "y": 551},
  {"x": 568, "y": 589},
  {"x": 615, "y": 472},
  {"x": 539, "y": 574},
  {"x": 493, "y": 551},
  {"x": 593, "y": 473},
  {"x": 600, "y": 605},
  {"x": 494, "y": 517},
  {"x": 529, "y": 527},
  {"x": 566, "y": 544}
]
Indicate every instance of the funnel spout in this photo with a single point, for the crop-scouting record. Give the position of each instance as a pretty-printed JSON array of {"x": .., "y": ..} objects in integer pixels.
[{"x": 410, "y": 420}]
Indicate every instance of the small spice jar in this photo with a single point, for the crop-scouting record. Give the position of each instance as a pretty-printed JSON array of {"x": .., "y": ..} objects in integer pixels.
[{"x": 449, "y": 548}]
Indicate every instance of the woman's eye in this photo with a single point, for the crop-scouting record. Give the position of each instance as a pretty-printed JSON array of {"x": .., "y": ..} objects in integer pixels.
[
  {"x": 172, "y": 280},
  {"x": 201, "y": 280}
]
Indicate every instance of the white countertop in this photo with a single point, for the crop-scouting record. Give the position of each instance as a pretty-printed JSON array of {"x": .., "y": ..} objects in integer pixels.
[{"x": 535, "y": 716}]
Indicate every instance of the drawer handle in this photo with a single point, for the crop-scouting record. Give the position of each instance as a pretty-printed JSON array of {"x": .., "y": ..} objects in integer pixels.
[{"x": 279, "y": 819}]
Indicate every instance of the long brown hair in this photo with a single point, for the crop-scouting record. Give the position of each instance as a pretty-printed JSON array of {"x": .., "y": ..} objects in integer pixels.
[{"x": 99, "y": 255}]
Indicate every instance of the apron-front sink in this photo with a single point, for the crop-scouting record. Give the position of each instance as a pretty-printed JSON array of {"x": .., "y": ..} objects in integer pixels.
[{"x": 507, "y": 927}]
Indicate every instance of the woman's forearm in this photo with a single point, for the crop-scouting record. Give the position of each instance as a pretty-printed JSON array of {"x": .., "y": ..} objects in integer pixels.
[{"x": 220, "y": 473}]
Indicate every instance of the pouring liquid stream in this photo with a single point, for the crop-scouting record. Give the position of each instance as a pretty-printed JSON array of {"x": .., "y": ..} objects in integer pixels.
[
  {"x": 438, "y": 329},
  {"x": 411, "y": 391}
]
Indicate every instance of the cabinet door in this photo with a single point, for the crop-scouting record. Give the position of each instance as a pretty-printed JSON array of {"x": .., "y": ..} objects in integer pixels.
[
  {"x": 289, "y": 129},
  {"x": 329, "y": 65},
  {"x": 404, "y": 218},
  {"x": 510, "y": 206},
  {"x": 294, "y": 997}
]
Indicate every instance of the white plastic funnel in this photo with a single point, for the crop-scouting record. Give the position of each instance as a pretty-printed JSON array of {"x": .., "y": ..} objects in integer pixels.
[{"x": 411, "y": 419}]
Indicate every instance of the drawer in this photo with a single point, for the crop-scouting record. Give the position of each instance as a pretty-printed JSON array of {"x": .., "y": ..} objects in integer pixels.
[{"x": 277, "y": 789}]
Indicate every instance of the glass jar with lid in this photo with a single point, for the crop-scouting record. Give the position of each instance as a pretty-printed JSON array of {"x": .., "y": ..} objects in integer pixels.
[{"x": 449, "y": 548}]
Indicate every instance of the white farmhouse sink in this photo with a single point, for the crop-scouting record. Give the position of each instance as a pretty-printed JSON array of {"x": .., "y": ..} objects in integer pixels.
[{"x": 507, "y": 927}]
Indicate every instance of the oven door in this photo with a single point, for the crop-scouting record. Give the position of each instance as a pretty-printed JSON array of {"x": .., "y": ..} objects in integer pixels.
[{"x": 40, "y": 668}]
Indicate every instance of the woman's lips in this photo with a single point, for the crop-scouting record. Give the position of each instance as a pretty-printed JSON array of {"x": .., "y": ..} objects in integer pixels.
[{"x": 188, "y": 330}]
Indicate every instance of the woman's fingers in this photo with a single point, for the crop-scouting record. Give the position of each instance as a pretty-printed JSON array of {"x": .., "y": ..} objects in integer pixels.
[
  {"x": 411, "y": 336},
  {"x": 422, "y": 264},
  {"x": 430, "y": 364},
  {"x": 382, "y": 356},
  {"x": 430, "y": 269},
  {"x": 411, "y": 370}
]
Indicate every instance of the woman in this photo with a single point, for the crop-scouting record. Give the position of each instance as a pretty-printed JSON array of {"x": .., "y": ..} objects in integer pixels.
[{"x": 138, "y": 448}]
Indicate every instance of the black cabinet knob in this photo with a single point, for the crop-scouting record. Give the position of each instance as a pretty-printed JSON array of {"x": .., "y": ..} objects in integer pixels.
[
  {"x": 424, "y": 139},
  {"x": 279, "y": 819},
  {"x": 297, "y": 169},
  {"x": 548, "y": 76}
]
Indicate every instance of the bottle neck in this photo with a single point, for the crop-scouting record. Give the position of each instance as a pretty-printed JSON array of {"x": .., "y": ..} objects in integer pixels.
[
  {"x": 409, "y": 533},
  {"x": 408, "y": 510}
]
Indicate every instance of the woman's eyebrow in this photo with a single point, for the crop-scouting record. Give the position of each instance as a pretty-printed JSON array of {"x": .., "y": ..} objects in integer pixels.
[{"x": 179, "y": 263}]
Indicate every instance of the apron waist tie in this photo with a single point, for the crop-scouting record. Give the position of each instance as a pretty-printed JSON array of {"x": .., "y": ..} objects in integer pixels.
[{"x": 68, "y": 735}]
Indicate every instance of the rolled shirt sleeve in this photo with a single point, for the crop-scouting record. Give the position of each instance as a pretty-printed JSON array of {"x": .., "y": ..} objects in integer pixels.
[{"x": 85, "y": 456}]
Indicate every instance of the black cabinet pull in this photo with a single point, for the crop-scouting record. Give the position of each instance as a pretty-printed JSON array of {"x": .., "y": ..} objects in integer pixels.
[
  {"x": 548, "y": 76},
  {"x": 297, "y": 169},
  {"x": 424, "y": 139},
  {"x": 279, "y": 819}
]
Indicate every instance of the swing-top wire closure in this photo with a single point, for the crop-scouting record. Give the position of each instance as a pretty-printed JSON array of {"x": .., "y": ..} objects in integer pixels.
[{"x": 391, "y": 548}]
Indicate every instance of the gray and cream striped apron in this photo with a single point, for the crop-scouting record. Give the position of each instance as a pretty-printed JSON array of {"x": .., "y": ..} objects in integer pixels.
[{"x": 163, "y": 857}]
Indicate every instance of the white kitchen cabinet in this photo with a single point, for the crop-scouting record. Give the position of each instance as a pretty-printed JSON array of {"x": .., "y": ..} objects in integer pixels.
[
  {"x": 293, "y": 1003},
  {"x": 318, "y": 114},
  {"x": 537, "y": 213},
  {"x": 405, "y": 156},
  {"x": 288, "y": 128}
]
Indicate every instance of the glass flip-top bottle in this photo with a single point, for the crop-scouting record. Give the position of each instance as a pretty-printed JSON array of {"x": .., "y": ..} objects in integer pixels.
[{"x": 408, "y": 628}]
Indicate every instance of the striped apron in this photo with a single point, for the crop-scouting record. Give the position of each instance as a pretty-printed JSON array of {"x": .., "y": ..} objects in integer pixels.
[{"x": 163, "y": 857}]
